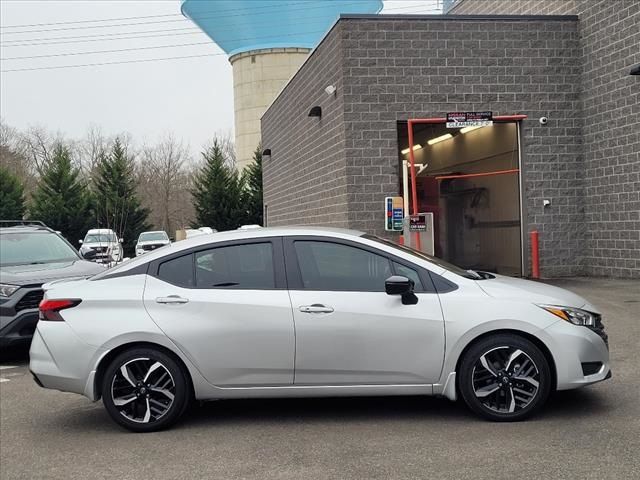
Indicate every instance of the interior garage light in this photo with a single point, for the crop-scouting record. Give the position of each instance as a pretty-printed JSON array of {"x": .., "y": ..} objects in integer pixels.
[
  {"x": 417, "y": 146},
  {"x": 441, "y": 138},
  {"x": 470, "y": 129}
]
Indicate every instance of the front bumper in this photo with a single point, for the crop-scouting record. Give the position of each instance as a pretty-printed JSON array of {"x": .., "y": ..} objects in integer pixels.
[
  {"x": 581, "y": 355},
  {"x": 19, "y": 329}
]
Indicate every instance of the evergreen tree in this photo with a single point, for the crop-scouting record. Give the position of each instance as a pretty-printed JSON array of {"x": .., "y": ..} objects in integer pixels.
[
  {"x": 253, "y": 189},
  {"x": 115, "y": 201},
  {"x": 61, "y": 198},
  {"x": 217, "y": 192},
  {"x": 11, "y": 196}
]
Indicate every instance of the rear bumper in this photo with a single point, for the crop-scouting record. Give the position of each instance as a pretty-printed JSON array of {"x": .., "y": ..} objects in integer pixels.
[{"x": 62, "y": 361}]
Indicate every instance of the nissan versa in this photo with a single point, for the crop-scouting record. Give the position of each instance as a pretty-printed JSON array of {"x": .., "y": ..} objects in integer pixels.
[{"x": 309, "y": 312}]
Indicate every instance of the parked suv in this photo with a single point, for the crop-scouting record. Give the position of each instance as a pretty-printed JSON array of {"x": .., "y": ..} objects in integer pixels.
[
  {"x": 105, "y": 243},
  {"x": 30, "y": 255},
  {"x": 148, "y": 241}
]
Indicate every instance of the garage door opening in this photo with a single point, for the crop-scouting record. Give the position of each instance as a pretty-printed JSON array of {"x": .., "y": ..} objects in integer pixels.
[{"x": 470, "y": 180}]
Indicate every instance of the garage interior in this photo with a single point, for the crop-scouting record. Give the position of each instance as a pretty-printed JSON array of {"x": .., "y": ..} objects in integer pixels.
[{"x": 470, "y": 180}]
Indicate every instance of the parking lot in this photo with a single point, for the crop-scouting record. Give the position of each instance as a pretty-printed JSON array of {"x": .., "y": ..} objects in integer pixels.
[{"x": 590, "y": 433}]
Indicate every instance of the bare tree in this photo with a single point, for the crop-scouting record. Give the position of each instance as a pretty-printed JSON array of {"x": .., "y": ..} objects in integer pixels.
[
  {"x": 14, "y": 156},
  {"x": 164, "y": 183},
  {"x": 91, "y": 148}
]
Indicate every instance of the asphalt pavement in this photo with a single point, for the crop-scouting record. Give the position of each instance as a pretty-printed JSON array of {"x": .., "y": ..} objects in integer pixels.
[{"x": 593, "y": 433}]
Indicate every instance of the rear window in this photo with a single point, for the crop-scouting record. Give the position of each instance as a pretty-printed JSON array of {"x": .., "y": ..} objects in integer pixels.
[{"x": 33, "y": 248}]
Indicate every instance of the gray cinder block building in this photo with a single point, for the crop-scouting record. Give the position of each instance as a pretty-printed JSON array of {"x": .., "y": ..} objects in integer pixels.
[{"x": 562, "y": 156}]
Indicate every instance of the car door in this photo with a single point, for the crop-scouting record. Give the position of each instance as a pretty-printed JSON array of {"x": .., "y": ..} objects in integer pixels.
[
  {"x": 226, "y": 306},
  {"x": 348, "y": 330}
]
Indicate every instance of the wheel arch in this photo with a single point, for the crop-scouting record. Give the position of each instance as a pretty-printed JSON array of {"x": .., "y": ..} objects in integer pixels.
[
  {"x": 528, "y": 336},
  {"x": 106, "y": 360}
]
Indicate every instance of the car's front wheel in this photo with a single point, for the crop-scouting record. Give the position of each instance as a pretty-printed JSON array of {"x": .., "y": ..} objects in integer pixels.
[
  {"x": 145, "y": 390},
  {"x": 504, "y": 378}
]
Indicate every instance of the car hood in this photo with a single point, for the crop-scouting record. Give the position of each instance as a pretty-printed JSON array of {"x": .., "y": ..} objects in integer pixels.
[
  {"x": 534, "y": 292},
  {"x": 98, "y": 244},
  {"x": 153, "y": 242},
  {"x": 46, "y": 272}
]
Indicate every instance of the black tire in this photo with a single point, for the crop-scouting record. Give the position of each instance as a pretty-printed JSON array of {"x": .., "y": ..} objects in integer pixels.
[
  {"x": 164, "y": 395},
  {"x": 517, "y": 396}
]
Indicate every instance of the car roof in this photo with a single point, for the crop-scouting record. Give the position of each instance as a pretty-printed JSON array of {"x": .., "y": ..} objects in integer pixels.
[
  {"x": 25, "y": 229},
  {"x": 99, "y": 230},
  {"x": 212, "y": 238}
]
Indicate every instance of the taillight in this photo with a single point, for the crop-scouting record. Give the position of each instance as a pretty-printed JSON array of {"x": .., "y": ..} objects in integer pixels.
[{"x": 50, "y": 308}]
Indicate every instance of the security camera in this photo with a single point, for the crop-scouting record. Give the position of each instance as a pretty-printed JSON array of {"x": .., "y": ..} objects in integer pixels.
[
  {"x": 330, "y": 90},
  {"x": 543, "y": 120}
]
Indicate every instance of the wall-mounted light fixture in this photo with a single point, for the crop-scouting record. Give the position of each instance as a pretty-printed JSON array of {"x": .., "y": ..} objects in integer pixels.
[
  {"x": 635, "y": 70},
  {"x": 315, "y": 111},
  {"x": 330, "y": 90},
  {"x": 417, "y": 146},
  {"x": 470, "y": 129},
  {"x": 439, "y": 139},
  {"x": 266, "y": 154}
]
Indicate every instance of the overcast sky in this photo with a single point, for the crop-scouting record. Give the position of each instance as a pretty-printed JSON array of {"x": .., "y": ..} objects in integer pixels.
[{"x": 191, "y": 98}]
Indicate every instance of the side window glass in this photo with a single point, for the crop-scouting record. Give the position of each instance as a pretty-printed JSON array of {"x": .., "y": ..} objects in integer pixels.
[
  {"x": 178, "y": 271},
  {"x": 409, "y": 273},
  {"x": 239, "y": 266},
  {"x": 333, "y": 266}
]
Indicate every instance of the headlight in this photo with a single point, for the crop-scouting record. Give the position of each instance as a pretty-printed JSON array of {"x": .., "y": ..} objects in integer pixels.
[
  {"x": 7, "y": 290},
  {"x": 573, "y": 315}
]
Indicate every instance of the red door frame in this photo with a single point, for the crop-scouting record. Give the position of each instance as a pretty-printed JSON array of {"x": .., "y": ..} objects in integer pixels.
[{"x": 412, "y": 164}]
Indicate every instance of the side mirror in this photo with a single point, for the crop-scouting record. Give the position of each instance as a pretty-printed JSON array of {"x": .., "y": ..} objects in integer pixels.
[
  {"x": 80, "y": 242},
  {"x": 403, "y": 286},
  {"x": 88, "y": 254},
  {"x": 121, "y": 240}
]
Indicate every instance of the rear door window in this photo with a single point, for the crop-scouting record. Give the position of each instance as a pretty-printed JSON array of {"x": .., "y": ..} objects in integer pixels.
[{"x": 248, "y": 266}]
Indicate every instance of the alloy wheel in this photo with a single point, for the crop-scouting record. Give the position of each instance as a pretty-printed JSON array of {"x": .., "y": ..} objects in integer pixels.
[
  {"x": 143, "y": 390},
  {"x": 505, "y": 379}
]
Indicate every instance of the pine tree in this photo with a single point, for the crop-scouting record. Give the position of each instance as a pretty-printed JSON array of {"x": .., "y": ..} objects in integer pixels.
[
  {"x": 217, "y": 192},
  {"x": 253, "y": 189},
  {"x": 11, "y": 196},
  {"x": 61, "y": 198},
  {"x": 116, "y": 204}
]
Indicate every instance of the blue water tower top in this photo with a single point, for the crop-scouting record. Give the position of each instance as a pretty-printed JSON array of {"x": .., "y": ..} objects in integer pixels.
[{"x": 241, "y": 25}]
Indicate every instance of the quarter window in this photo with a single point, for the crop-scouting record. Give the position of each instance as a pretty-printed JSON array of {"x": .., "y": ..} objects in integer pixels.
[
  {"x": 239, "y": 266},
  {"x": 333, "y": 266}
]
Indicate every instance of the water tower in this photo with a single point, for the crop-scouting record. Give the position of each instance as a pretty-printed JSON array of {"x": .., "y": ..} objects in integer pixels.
[{"x": 267, "y": 41}]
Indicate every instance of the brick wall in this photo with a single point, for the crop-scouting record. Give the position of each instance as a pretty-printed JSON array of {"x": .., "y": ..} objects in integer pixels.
[
  {"x": 610, "y": 46},
  {"x": 415, "y": 68},
  {"x": 337, "y": 171},
  {"x": 305, "y": 179}
]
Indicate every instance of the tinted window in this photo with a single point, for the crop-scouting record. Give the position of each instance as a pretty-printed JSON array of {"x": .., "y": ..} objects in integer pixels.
[
  {"x": 100, "y": 238},
  {"x": 40, "y": 247},
  {"x": 332, "y": 266},
  {"x": 239, "y": 266},
  {"x": 409, "y": 273},
  {"x": 178, "y": 271}
]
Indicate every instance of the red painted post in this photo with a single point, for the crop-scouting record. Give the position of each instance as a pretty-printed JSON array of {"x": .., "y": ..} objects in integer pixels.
[{"x": 535, "y": 254}]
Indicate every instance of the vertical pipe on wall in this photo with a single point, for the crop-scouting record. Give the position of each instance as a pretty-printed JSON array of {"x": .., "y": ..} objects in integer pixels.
[{"x": 535, "y": 254}]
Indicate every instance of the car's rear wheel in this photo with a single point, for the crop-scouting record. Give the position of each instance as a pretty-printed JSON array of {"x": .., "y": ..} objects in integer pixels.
[
  {"x": 145, "y": 390},
  {"x": 504, "y": 378}
]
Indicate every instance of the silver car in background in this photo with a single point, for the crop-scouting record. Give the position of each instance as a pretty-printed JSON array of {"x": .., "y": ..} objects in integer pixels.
[{"x": 294, "y": 312}]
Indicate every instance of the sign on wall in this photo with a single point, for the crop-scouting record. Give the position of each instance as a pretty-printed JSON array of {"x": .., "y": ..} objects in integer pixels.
[
  {"x": 394, "y": 214},
  {"x": 418, "y": 223},
  {"x": 469, "y": 119}
]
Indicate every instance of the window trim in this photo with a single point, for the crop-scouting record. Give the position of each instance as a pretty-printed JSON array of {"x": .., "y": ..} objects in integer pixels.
[
  {"x": 294, "y": 275},
  {"x": 280, "y": 281}
]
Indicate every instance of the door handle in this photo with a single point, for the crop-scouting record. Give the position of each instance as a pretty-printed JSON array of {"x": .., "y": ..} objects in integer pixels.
[
  {"x": 172, "y": 299},
  {"x": 315, "y": 308}
]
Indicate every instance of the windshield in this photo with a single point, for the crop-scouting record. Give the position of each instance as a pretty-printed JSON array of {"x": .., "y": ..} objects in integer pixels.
[
  {"x": 99, "y": 238},
  {"x": 33, "y": 248},
  {"x": 435, "y": 260},
  {"x": 150, "y": 236}
]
